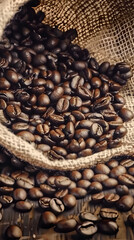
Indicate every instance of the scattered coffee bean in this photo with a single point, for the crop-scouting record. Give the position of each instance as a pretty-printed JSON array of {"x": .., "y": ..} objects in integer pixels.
[
  {"x": 48, "y": 219},
  {"x": 108, "y": 213},
  {"x": 125, "y": 203},
  {"x": 87, "y": 228},
  {"x": 13, "y": 232},
  {"x": 66, "y": 225}
]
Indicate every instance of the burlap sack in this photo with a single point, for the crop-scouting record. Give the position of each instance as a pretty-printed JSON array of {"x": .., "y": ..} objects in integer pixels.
[{"x": 106, "y": 28}]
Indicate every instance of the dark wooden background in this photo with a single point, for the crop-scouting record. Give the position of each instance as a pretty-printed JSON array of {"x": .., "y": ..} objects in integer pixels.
[{"x": 29, "y": 222}]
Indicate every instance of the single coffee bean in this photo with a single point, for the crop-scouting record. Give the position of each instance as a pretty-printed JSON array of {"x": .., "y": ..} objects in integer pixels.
[
  {"x": 111, "y": 198},
  {"x": 6, "y": 190},
  {"x": 131, "y": 171},
  {"x": 35, "y": 193},
  {"x": 27, "y": 136},
  {"x": 62, "y": 105},
  {"x": 13, "y": 232},
  {"x": 48, "y": 190},
  {"x": 11, "y": 76},
  {"x": 41, "y": 177},
  {"x": 130, "y": 219},
  {"x": 44, "y": 202},
  {"x": 109, "y": 213},
  {"x": 78, "y": 192},
  {"x": 95, "y": 187},
  {"x": 75, "y": 175},
  {"x": 99, "y": 177},
  {"x": 24, "y": 182},
  {"x": 62, "y": 181},
  {"x": 69, "y": 201},
  {"x": 57, "y": 93},
  {"x": 19, "y": 194},
  {"x": 83, "y": 183},
  {"x": 110, "y": 183},
  {"x": 13, "y": 111},
  {"x": 66, "y": 225},
  {"x": 125, "y": 203},
  {"x": 43, "y": 100},
  {"x": 87, "y": 229},
  {"x": 96, "y": 82},
  {"x": 75, "y": 102},
  {"x": 108, "y": 227},
  {"x": 127, "y": 163},
  {"x": 6, "y": 200},
  {"x": 23, "y": 206},
  {"x": 102, "y": 168},
  {"x": 96, "y": 130},
  {"x": 6, "y": 180},
  {"x": 56, "y": 205},
  {"x": 88, "y": 216},
  {"x": 57, "y": 134},
  {"x": 87, "y": 174},
  {"x": 112, "y": 163},
  {"x": 97, "y": 197},
  {"x": 126, "y": 114},
  {"x": 117, "y": 171},
  {"x": 61, "y": 193},
  {"x": 122, "y": 190},
  {"x": 126, "y": 179},
  {"x": 48, "y": 218}
]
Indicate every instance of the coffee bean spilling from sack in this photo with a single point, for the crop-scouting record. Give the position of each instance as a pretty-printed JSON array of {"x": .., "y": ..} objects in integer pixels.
[
  {"x": 54, "y": 94},
  {"x": 26, "y": 187}
]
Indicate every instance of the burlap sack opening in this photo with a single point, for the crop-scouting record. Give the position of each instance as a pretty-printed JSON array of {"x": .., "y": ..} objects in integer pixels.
[{"x": 105, "y": 27}]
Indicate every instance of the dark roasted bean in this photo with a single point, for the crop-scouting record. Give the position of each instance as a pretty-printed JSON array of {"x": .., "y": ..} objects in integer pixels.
[
  {"x": 108, "y": 227},
  {"x": 56, "y": 205},
  {"x": 19, "y": 194},
  {"x": 125, "y": 203},
  {"x": 66, "y": 225},
  {"x": 23, "y": 206},
  {"x": 87, "y": 229},
  {"x": 122, "y": 190},
  {"x": 69, "y": 201},
  {"x": 13, "y": 232},
  {"x": 48, "y": 218}
]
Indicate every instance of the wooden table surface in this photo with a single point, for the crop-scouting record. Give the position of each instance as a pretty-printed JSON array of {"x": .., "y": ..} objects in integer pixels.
[{"x": 29, "y": 222}]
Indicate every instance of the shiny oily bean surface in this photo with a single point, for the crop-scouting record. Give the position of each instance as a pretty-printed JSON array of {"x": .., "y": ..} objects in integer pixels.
[
  {"x": 108, "y": 213},
  {"x": 23, "y": 206},
  {"x": 66, "y": 225},
  {"x": 87, "y": 228}
]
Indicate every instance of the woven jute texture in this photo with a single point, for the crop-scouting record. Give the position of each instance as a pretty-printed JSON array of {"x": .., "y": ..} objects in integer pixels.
[{"x": 106, "y": 28}]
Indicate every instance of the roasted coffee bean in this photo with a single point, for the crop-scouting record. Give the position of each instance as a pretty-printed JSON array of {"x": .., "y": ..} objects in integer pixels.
[
  {"x": 69, "y": 201},
  {"x": 112, "y": 163},
  {"x": 85, "y": 153},
  {"x": 78, "y": 115},
  {"x": 117, "y": 171},
  {"x": 125, "y": 203},
  {"x": 62, "y": 181},
  {"x": 75, "y": 102},
  {"x": 4, "y": 83},
  {"x": 99, "y": 177},
  {"x": 24, "y": 182},
  {"x": 6, "y": 200},
  {"x": 13, "y": 111},
  {"x": 61, "y": 193},
  {"x": 101, "y": 103},
  {"x": 35, "y": 193},
  {"x": 96, "y": 130},
  {"x": 66, "y": 225},
  {"x": 19, "y": 194},
  {"x": 41, "y": 177},
  {"x": 131, "y": 171},
  {"x": 13, "y": 232},
  {"x": 130, "y": 219},
  {"x": 20, "y": 126},
  {"x": 76, "y": 82},
  {"x": 44, "y": 202},
  {"x": 96, "y": 82},
  {"x": 127, "y": 163},
  {"x": 88, "y": 216},
  {"x": 110, "y": 183},
  {"x": 57, "y": 93},
  {"x": 122, "y": 67},
  {"x": 87, "y": 229},
  {"x": 71, "y": 156},
  {"x": 23, "y": 206},
  {"x": 108, "y": 213},
  {"x": 82, "y": 133},
  {"x": 87, "y": 174},
  {"x": 48, "y": 218},
  {"x": 108, "y": 227},
  {"x": 27, "y": 136},
  {"x": 43, "y": 100},
  {"x": 69, "y": 130},
  {"x": 111, "y": 198},
  {"x": 6, "y": 190},
  {"x": 6, "y": 180},
  {"x": 62, "y": 105},
  {"x": 11, "y": 76},
  {"x": 84, "y": 93},
  {"x": 38, "y": 60},
  {"x": 19, "y": 174},
  {"x": 126, "y": 114},
  {"x": 95, "y": 187},
  {"x": 102, "y": 168},
  {"x": 60, "y": 151},
  {"x": 3, "y": 104},
  {"x": 86, "y": 124},
  {"x": 51, "y": 181},
  {"x": 122, "y": 190},
  {"x": 57, "y": 134},
  {"x": 72, "y": 185},
  {"x": 126, "y": 179},
  {"x": 78, "y": 192},
  {"x": 46, "y": 189},
  {"x": 56, "y": 119},
  {"x": 56, "y": 205},
  {"x": 43, "y": 147},
  {"x": 97, "y": 197},
  {"x": 75, "y": 175},
  {"x": 101, "y": 146}
]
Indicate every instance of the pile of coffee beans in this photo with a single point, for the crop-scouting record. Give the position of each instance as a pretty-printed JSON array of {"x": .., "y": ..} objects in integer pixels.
[
  {"x": 25, "y": 187},
  {"x": 54, "y": 94}
]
